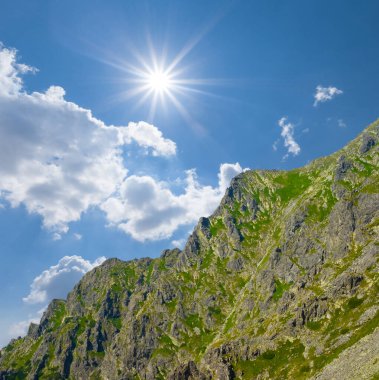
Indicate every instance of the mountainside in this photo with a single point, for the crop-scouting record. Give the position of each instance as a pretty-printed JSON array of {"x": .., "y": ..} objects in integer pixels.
[{"x": 281, "y": 282}]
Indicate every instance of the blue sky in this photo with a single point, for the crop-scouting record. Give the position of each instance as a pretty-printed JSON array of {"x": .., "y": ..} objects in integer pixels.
[{"x": 88, "y": 171}]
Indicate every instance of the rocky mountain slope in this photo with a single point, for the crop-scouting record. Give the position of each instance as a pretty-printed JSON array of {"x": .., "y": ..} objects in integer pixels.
[{"x": 281, "y": 282}]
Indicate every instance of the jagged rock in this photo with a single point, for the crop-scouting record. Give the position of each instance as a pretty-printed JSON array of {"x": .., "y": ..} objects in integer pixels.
[
  {"x": 224, "y": 250},
  {"x": 233, "y": 232},
  {"x": 342, "y": 223},
  {"x": 346, "y": 284},
  {"x": 368, "y": 142},
  {"x": 252, "y": 206},
  {"x": 311, "y": 309},
  {"x": 236, "y": 264},
  {"x": 170, "y": 257},
  {"x": 188, "y": 371},
  {"x": 204, "y": 227},
  {"x": 33, "y": 330},
  {"x": 344, "y": 165}
]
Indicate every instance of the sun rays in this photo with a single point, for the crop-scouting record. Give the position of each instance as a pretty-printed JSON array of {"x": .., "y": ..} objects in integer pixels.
[
  {"x": 157, "y": 84},
  {"x": 153, "y": 81}
]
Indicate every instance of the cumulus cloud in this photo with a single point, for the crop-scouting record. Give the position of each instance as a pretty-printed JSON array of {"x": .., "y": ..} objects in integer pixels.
[
  {"x": 227, "y": 172},
  {"x": 178, "y": 243},
  {"x": 21, "y": 328},
  {"x": 324, "y": 94},
  {"x": 56, "y": 158},
  {"x": 54, "y": 282},
  {"x": 58, "y": 280},
  {"x": 288, "y": 139},
  {"x": 149, "y": 136},
  {"x": 147, "y": 209},
  {"x": 10, "y": 70}
]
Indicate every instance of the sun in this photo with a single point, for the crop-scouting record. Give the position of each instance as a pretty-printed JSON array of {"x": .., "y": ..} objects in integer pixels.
[
  {"x": 159, "y": 81},
  {"x": 162, "y": 82}
]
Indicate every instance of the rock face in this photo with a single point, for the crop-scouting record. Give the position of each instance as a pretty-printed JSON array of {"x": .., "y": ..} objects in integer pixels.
[{"x": 281, "y": 282}]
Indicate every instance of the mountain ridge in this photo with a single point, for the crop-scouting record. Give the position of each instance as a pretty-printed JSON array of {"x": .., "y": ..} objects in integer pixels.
[{"x": 278, "y": 282}]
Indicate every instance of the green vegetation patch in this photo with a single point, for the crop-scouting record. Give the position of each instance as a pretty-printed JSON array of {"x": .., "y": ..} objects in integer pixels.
[
  {"x": 324, "y": 203},
  {"x": 354, "y": 302},
  {"x": 193, "y": 320},
  {"x": 149, "y": 272},
  {"x": 293, "y": 184},
  {"x": 364, "y": 330},
  {"x": 116, "y": 322},
  {"x": 171, "y": 305},
  {"x": 59, "y": 313},
  {"x": 216, "y": 313},
  {"x": 96, "y": 354},
  {"x": 286, "y": 362},
  {"x": 314, "y": 325},
  {"x": 130, "y": 273},
  {"x": 280, "y": 288},
  {"x": 229, "y": 322},
  {"x": 166, "y": 347},
  {"x": 84, "y": 323},
  {"x": 18, "y": 361},
  {"x": 207, "y": 260},
  {"x": 368, "y": 168},
  {"x": 255, "y": 228},
  {"x": 162, "y": 265},
  {"x": 198, "y": 343},
  {"x": 217, "y": 225},
  {"x": 117, "y": 288},
  {"x": 236, "y": 210},
  {"x": 372, "y": 187}
]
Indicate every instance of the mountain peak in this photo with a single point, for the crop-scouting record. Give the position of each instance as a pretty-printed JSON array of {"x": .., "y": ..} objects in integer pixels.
[{"x": 280, "y": 281}]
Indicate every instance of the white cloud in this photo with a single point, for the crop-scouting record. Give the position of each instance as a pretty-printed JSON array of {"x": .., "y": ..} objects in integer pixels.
[
  {"x": 147, "y": 209},
  {"x": 324, "y": 94},
  {"x": 56, "y": 158},
  {"x": 341, "y": 123},
  {"x": 56, "y": 236},
  {"x": 21, "y": 328},
  {"x": 58, "y": 280},
  {"x": 10, "y": 70},
  {"x": 54, "y": 282},
  {"x": 149, "y": 136},
  {"x": 287, "y": 134},
  {"x": 226, "y": 174},
  {"x": 59, "y": 161},
  {"x": 178, "y": 243},
  {"x": 78, "y": 236}
]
